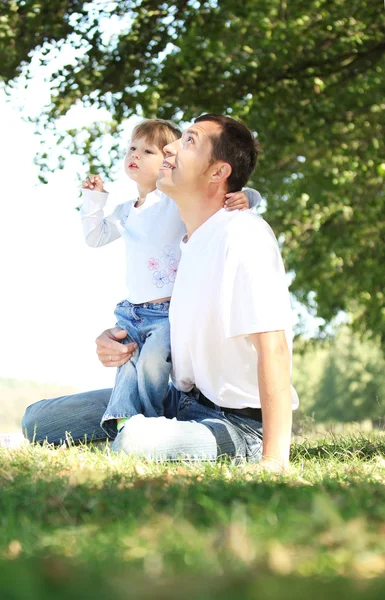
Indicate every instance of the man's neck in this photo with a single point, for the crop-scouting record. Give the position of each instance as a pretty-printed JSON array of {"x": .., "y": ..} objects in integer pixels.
[{"x": 194, "y": 214}]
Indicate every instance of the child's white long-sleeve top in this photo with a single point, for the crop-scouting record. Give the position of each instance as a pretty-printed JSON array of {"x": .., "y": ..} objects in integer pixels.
[{"x": 152, "y": 234}]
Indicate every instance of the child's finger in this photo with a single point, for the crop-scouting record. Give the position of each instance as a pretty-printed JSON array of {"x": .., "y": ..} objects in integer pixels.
[
  {"x": 234, "y": 201},
  {"x": 235, "y": 196},
  {"x": 96, "y": 182},
  {"x": 237, "y": 206}
]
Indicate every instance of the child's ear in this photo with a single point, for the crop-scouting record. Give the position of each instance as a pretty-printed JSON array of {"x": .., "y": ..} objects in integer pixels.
[{"x": 221, "y": 172}]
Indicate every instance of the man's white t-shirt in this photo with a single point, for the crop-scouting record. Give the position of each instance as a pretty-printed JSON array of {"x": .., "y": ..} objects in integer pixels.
[
  {"x": 151, "y": 233},
  {"x": 231, "y": 283}
]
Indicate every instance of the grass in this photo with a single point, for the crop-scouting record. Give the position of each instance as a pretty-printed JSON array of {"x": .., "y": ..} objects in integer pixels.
[{"x": 83, "y": 522}]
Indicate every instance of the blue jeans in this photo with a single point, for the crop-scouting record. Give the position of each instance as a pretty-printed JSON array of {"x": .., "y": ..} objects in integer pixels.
[
  {"x": 188, "y": 430},
  {"x": 141, "y": 384}
]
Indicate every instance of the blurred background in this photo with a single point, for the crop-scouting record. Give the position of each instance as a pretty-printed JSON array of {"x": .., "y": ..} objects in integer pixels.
[{"x": 306, "y": 77}]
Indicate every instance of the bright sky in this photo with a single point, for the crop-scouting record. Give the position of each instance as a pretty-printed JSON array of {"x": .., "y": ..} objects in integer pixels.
[{"x": 57, "y": 294}]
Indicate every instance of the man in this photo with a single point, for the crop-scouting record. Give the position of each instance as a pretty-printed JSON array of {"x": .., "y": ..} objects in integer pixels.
[{"x": 230, "y": 323}]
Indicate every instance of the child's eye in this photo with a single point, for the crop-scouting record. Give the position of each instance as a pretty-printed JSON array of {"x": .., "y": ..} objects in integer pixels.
[
  {"x": 149, "y": 152},
  {"x": 132, "y": 148}
]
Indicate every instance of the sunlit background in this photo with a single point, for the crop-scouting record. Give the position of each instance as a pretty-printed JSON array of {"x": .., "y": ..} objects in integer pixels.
[{"x": 57, "y": 294}]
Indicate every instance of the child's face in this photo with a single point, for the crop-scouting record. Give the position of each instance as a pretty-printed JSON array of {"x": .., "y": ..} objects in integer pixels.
[{"x": 142, "y": 162}]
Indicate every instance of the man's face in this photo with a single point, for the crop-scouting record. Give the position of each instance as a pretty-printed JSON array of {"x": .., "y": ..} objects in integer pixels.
[{"x": 186, "y": 168}]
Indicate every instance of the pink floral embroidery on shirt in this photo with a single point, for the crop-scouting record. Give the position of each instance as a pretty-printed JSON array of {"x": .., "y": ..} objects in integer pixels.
[
  {"x": 153, "y": 264},
  {"x": 160, "y": 278},
  {"x": 172, "y": 269}
]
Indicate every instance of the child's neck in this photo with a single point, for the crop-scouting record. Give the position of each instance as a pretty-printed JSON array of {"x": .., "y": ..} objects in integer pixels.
[{"x": 143, "y": 190}]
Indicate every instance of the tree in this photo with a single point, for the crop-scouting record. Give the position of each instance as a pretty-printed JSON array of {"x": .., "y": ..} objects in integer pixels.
[
  {"x": 307, "y": 77},
  {"x": 342, "y": 381},
  {"x": 27, "y": 25}
]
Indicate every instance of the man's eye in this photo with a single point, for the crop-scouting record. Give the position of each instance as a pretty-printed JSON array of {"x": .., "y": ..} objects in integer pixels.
[{"x": 190, "y": 139}]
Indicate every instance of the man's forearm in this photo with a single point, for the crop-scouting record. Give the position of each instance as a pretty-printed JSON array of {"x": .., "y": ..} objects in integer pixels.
[{"x": 275, "y": 395}]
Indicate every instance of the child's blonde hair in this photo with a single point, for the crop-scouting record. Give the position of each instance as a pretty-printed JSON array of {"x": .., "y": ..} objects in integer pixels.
[{"x": 157, "y": 131}]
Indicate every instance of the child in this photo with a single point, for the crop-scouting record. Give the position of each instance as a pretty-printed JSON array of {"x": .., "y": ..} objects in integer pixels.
[{"x": 152, "y": 231}]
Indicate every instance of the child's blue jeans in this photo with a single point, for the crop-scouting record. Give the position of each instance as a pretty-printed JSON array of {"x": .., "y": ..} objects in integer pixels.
[{"x": 141, "y": 384}]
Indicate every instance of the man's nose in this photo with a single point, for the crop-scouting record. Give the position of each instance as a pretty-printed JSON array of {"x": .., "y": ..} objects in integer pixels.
[{"x": 170, "y": 149}]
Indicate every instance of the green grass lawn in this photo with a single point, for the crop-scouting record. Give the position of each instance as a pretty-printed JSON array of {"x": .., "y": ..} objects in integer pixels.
[{"x": 80, "y": 522}]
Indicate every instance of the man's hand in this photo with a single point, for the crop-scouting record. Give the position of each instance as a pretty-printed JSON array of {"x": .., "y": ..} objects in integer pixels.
[
  {"x": 111, "y": 352},
  {"x": 271, "y": 465},
  {"x": 94, "y": 183},
  {"x": 236, "y": 201}
]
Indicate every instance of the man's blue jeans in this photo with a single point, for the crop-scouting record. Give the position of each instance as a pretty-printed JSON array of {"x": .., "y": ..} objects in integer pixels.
[
  {"x": 187, "y": 431},
  {"x": 141, "y": 384}
]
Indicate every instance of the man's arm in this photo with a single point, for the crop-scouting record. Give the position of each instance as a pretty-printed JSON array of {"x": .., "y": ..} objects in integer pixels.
[
  {"x": 111, "y": 352},
  {"x": 275, "y": 394}
]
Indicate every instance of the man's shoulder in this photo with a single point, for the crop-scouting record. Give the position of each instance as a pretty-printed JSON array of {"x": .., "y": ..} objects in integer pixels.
[{"x": 250, "y": 228}]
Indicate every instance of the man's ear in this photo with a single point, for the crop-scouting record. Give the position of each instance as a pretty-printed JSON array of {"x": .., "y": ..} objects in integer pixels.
[{"x": 220, "y": 172}]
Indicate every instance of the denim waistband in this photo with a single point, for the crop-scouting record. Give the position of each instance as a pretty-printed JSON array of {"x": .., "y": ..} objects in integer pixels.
[{"x": 159, "y": 306}]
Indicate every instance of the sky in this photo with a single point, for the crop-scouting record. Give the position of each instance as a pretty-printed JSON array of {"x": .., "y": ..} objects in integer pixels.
[{"x": 57, "y": 293}]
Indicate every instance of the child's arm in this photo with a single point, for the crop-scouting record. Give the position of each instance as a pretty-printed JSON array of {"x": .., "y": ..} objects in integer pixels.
[
  {"x": 247, "y": 198},
  {"x": 98, "y": 230}
]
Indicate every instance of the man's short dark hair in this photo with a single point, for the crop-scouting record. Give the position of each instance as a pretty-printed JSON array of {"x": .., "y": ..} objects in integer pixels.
[{"x": 235, "y": 145}]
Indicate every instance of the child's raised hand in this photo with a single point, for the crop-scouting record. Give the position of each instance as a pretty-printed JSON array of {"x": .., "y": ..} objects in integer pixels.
[
  {"x": 236, "y": 201},
  {"x": 94, "y": 183}
]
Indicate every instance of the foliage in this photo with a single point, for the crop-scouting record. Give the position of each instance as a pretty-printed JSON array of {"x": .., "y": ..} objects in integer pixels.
[
  {"x": 342, "y": 381},
  {"x": 308, "y": 78},
  {"x": 27, "y": 25}
]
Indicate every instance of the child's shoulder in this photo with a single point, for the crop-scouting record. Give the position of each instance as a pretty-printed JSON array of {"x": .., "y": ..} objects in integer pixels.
[
  {"x": 158, "y": 197},
  {"x": 121, "y": 211}
]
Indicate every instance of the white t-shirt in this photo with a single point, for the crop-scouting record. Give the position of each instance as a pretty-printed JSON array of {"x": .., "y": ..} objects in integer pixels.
[
  {"x": 151, "y": 232},
  {"x": 231, "y": 283}
]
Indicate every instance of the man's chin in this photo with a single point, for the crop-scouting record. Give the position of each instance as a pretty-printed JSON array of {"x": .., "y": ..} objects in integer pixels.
[{"x": 163, "y": 182}]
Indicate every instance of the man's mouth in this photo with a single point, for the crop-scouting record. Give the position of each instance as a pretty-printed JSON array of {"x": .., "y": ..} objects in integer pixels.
[{"x": 167, "y": 165}]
